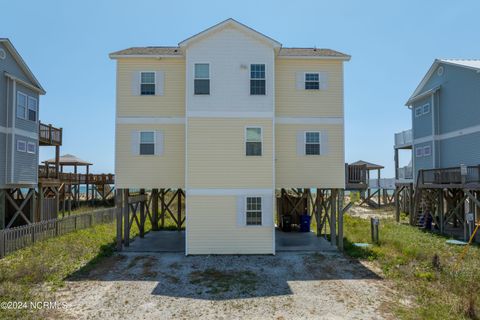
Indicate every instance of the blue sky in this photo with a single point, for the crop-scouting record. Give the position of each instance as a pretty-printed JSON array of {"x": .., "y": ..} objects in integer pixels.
[{"x": 392, "y": 43}]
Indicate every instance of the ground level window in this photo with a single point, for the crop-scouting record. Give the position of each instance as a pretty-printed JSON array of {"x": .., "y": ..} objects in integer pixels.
[
  {"x": 254, "y": 211},
  {"x": 147, "y": 143},
  {"x": 312, "y": 143}
]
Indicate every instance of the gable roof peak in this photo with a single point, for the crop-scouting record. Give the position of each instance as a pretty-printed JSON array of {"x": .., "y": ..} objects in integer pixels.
[{"x": 234, "y": 23}]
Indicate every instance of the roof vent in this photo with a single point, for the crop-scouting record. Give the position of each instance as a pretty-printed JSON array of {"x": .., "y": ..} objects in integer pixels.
[
  {"x": 440, "y": 70},
  {"x": 3, "y": 55}
]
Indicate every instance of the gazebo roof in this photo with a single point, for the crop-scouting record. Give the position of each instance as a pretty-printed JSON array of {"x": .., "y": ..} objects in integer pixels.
[
  {"x": 69, "y": 160},
  {"x": 370, "y": 166}
]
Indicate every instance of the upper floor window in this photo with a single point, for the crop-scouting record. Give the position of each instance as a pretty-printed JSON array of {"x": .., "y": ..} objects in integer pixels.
[
  {"x": 21, "y": 145},
  {"x": 202, "y": 78},
  {"x": 32, "y": 109},
  {"x": 257, "y": 79},
  {"x": 421, "y": 110},
  {"x": 147, "y": 83},
  {"x": 147, "y": 143},
  {"x": 31, "y": 147},
  {"x": 253, "y": 141},
  {"x": 21, "y": 105},
  {"x": 312, "y": 143},
  {"x": 312, "y": 81},
  {"x": 254, "y": 211}
]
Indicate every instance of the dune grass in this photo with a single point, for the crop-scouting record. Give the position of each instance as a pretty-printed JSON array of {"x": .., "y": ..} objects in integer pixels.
[{"x": 431, "y": 282}]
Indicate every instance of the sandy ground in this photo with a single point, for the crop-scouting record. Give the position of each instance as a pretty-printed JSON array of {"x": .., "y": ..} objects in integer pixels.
[
  {"x": 365, "y": 212},
  {"x": 290, "y": 285}
]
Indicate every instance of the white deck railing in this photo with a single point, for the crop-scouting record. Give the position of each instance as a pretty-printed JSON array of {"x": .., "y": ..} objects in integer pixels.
[{"x": 404, "y": 138}]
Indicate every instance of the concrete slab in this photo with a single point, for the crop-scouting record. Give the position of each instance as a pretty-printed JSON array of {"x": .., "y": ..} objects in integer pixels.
[
  {"x": 301, "y": 241},
  {"x": 159, "y": 241}
]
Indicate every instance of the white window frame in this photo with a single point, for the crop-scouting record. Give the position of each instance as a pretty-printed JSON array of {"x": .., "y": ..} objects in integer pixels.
[
  {"x": 246, "y": 211},
  {"x": 140, "y": 142},
  {"x": 26, "y": 105},
  {"x": 418, "y": 111},
  {"x": 264, "y": 78},
  {"x": 246, "y": 140},
  {"x": 305, "y": 81},
  {"x": 209, "y": 79},
  {"x": 28, "y": 109},
  {"x": 418, "y": 152},
  {"x": 426, "y": 107},
  {"x": 19, "y": 148},
  {"x": 154, "y": 83},
  {"x": 29, "y": 144},
  {"x": 425, "y": 153},
  {"x": 319, "y": 142}
]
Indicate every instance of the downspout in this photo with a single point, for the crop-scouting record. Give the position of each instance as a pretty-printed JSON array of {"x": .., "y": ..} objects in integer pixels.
[
  {"x": 6, "y": 125},
  {"x": 433, "y": 130},
  {"x": 13, "y": 149}
]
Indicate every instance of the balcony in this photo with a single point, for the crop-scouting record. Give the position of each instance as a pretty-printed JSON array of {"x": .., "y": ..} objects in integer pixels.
[
  {"x": 450, "y": 177},
  {"x": 405, "y": 173},
  {"x": 404, "y": 139},
  {"x": 49, "y": 135}
]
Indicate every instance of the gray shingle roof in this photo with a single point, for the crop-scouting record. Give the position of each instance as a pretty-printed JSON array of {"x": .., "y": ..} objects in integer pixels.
[
  {"x": 176, "y": 51},
  {"x": 149, "y": 51},
  {"x": 311, "y": 52}
]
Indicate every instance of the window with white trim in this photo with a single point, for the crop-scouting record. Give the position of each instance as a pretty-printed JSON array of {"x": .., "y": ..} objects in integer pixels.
[
  {"x": 253, "y": 212},
  {"x": 418, "y": 152},
  {"x": 427, "y": 151},
  {"x": 21, "y": 105},
  {"x": 32, "y": 109},
  {"x": 202, "y": 79},
  {"x": 257, "y": 79},
  {"x": 418, "y": 111},
  {"x": 31, "y": 147},
  {"x": 147, "y": 142},
  {"x": 147, "y": 83},
  {"x": 312, "y": 143},
  {"x": 21, "y": 145},
  {"x": 312, "y": 81},
  {"x": 253, "y": 141},
  {"x": 425, "y": 108}
]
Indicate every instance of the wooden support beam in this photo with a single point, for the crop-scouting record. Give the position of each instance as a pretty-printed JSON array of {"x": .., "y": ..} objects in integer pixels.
[
  {"x": 340, "y": 219},
  {"x": 126, "y": 220},
  {"x": 142, "y": 214},
  {"x": 179, "y": 210},
  {"x": 154, "y": 198},
  {"x": 162, "y": 207},
  {"x": 2, "y": 208},
  {"x": 333, "y": 217},
  {"x": 118, "y": 209}
]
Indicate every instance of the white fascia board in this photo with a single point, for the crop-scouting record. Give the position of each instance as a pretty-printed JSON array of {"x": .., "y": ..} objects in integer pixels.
[
  {"x": 311, "y": 120},
  {"x": 150, "y": 56},
  {"x": 315, "y": 58},
  {"x": 151, "y": 120}
]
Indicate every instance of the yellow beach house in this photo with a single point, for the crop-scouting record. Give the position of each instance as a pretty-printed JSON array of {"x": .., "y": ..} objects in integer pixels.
[{"x": 229, "y": 116}]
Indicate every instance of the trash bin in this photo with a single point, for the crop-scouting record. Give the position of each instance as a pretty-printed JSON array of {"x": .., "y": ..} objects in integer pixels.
[
  {"x": 286, "y": 223},
  {"x": 305, "y": 223}
]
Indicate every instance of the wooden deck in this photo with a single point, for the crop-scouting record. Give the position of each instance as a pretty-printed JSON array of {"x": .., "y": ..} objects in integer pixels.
[
  {"x": 48, "y": 175},
  {"x": 356, "y": 177},
  {"x": 49, "y": 135},
  {"x": 450, "y": 178}
]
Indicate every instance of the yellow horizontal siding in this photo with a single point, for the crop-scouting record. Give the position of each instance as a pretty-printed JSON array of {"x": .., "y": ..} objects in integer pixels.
[
  {"x": 171, "y": 104},
  {"x": 292, "y": 102},
  {"x": 295, "y": 171},
  {"x": 166, "y": 170},
  {"x": 212, "y": 228},
  {"x": 216, "y": 154}
]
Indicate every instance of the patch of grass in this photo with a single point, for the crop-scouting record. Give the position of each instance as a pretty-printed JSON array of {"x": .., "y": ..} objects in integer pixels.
[
  {"x": 422, "y": 266},
  {"x": 218, "y": 282},
  {"x": 33, "y": 273}
]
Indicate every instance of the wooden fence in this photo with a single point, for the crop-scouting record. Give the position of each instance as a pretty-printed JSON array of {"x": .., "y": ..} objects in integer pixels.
[{"x": 20, "y": 237}]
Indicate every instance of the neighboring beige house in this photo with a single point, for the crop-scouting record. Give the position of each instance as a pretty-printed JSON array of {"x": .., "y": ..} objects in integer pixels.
[{"x": 229, "y": 115}]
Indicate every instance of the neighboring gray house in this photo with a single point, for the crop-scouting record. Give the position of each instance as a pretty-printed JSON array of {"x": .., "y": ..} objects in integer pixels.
[
  {"x": 19, "y": 124},
  {"x": 445, "y": 111}
]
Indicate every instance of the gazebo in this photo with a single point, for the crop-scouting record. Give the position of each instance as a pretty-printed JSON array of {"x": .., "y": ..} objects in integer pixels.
[
  {"x": 69, "y": 160},
  {"x": 369, "y": 167}
]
